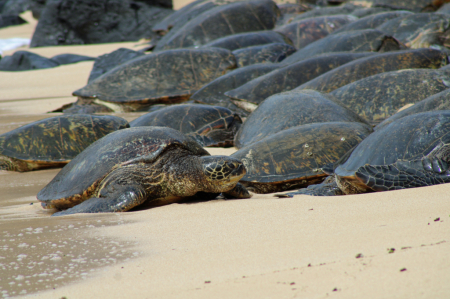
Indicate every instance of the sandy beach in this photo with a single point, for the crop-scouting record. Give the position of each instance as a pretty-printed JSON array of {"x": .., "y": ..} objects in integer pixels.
[{"x": 379, "y": 245}]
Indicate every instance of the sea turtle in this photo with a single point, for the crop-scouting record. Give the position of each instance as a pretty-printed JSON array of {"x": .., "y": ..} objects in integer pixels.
[
  {"x": 290, "y": 109},
  {"x": 248, "y": 39},
  {"x": 109, "y": 61},
  {"x": 413, "y": 5},
  {"x": 223, "y": 20},
  {"x": 290, "y": 76},
  {"x": 379, "y": 63},
  {"x": 293, "y": 158},
  {"x": 368, "y": 40},
  {"x": 170, "y": 25},
  {"x": 435, "y": 102},
  {"x": 208, "y": 125},
  {"x": 412, "y": 151},
  {"x": 367, "y": 11},
  {"x": 380, "y": 96},
  {"x": 270, "y": 53},
  {"x": 126, "y": 168},
  {"x": 54, "y": 141},
  {"x": 420, "y": 30},
  {"x": 289, "y": 11},
  {"x": 213, "y": 92},
  {"x": 306, "y": 31},
  {"x": 372, "y": 21},
  {"x": 328, "y": 11},
  {"x": 444, "y": 9},
  {"x": 164, "y": 77}
]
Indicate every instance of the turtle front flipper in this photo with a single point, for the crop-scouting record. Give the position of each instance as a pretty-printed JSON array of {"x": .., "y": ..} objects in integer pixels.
[
  {"x": 122, "y": 199},
  {"x": 238, "y": 191},
  {"x": 404, "y": 174}
]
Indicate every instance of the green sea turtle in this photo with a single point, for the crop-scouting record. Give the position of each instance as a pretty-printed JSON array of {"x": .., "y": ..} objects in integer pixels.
[
  {"x": 420, "y": 30},
  {"x": 54, "y": 141},
  {"x": 372, "y": 21},
  {"x": 379, "y": 96},
  {"x": 289, "y": 11},
  {"x": 439, "y": 101},
  {"x": 368, "y": 40},
  {"x": 412, "y": 151},
  {"x": 124, "y": 169},
  {"x": 376, "y": 64},
  {"x": 164, "y": 77},
  {"x": 233, "y": 18},
  {"x": 293, "y": 158},
  {"x": 270, "y": 53},
  {"x": 289, "y": 76},
  {"x": 208, "y": 125},
  {"x": 413, "y": 5},
  {"x": 248, "y": 39},
  {"x": 306, "y": 31},
  {"x": 328, "y": 11},
  {"x": 290, "y": 109},
  {"x": 213, "y": 92}
]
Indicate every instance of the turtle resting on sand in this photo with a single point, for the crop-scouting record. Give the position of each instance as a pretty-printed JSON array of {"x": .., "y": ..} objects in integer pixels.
[
  {"x": 157, "y": 165},
  {"x": 54, "y": 141},
  {"x": 412, "y": 151}
]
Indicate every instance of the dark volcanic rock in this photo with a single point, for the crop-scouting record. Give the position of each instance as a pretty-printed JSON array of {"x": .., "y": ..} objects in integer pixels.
[
  {"x": 70, "y": 58},
  {"x": 10, "y": 20},
  {"x": 14, "y": 7},
  {"x": 66, "y": 22},
  {"x": 36, "y": 7},
  {"x": 109, "y": 61},
  {"x": 24, "y": 61}
]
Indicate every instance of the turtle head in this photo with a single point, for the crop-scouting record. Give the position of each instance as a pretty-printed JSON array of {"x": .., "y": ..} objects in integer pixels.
[{"x": 222, "y": 172}]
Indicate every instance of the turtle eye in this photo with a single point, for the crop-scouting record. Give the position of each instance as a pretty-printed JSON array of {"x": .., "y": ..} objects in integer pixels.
[{"x": 231, "y": 165}]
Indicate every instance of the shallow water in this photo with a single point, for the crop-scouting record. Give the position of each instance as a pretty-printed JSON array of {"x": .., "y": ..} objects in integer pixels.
[{"x": 39, "y": 252}]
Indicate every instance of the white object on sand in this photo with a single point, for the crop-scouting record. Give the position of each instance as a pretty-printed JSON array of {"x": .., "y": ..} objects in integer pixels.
[{"x": 13, "y": 43}]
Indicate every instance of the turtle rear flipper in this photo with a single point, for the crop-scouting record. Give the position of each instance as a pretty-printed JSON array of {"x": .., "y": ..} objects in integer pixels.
[
  {"x": 404, "y": 174},
  {"x": 123, "y": 199}
]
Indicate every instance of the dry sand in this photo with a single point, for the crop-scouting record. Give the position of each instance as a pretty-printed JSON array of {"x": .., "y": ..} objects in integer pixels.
[{"x": 379, "y": 245}]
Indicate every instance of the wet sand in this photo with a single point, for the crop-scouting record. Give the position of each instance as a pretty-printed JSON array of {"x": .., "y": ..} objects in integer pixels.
[{"x": 379, "y": 245}]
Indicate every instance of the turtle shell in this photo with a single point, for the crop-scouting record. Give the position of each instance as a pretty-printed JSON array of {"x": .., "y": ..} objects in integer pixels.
[
  {"x": 290, "y": 109},
  {"x": 418, "y": 30},
  {"x": 270, "y": 53},
  {"x": 109, "y": 61},
  {"x": 408, "y": 138},
  {"x": 306, "y": 31},
  {"x": 380, "y": 63},
  {"x": 78, "y": 179},
  {"x": 290, "y": 10},
  {"x": 293, "y": 158},
  {"x": 54, "y": 141},
  {"x": 367, "y": 11},
  {"x": 380, "y": 96},
  {"x": 290, "y": 76},
  {"x": 180, "y": 17},
  {"x": 373, "y": 21},
  {"x": 368, "y": 40},
  {"x": 444, "y": 9},
  {"x": 412, "y": 5},
  {"x": 213, "y": 92},
  {"x": 436, "y": 102},
  {"x": 209, "y": 125},
  {"x": 224, "y": 20},
  {"x": 328, "y": 11},
  {"x": 248, "y": 39},
  {"x": 163, "y": 77}
]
